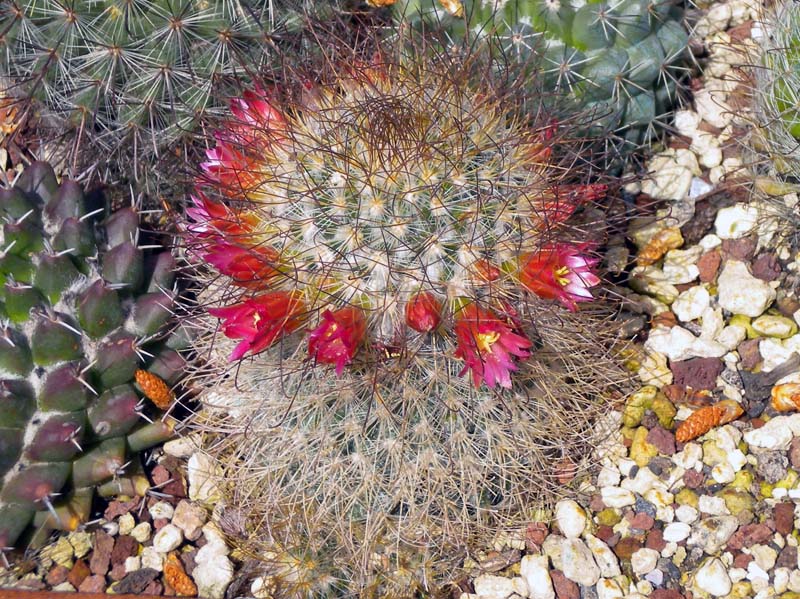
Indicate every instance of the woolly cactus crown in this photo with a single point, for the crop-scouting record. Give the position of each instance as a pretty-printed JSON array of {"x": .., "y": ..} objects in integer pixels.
[{"x": 395, "y": 228}]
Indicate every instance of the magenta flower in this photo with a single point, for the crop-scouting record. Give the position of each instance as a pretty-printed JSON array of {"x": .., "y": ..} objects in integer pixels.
[
  {"x": 261, "y": 321},
  {"x": 560, "y": 272},
  {"x": 488, "y": 346},
  {"x": 338, "y": 337}
]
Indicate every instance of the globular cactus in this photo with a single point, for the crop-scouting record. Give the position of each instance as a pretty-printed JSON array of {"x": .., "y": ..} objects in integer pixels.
[
  {"x": 777, "y": 80},
  {"x": 83, "y": 309},
  {"x": 134, "y": 72},
  {"x": 400, "y": 364},
  {"x": 618, "y": 61}
]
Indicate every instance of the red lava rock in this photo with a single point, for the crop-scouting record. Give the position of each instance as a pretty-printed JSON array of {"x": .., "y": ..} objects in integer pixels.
[
  {"x": 93, "y": 584},
  {"x": 665, "y": 594},
  {"x": 596, "y": 503},
  {"x": 154, "y": 588},
  {"x": 784, "y": 517},
  {"x": 604, "y": 533},
  {"x": 794, "y": 453},
  {"x": 663, "y": 439},
  {"x": 787, "y": 558},
  {"x": 117, "y": 572},
  {"x": 708, "y": 265},
  {"x": 101, "y": 554},
  {"x": 187, "y": 558},
  {"x": 749, "y": 356},
  {"x": 787, "y": 305},
  {"x": 135, "y": 582},
  {"x": 742, "y": 249},
  {"x": 627, "y": 546},
  {"x": 30, "y": 584},
  {"x": 564, "y": 587},
  {"x": 535, "y": 534},
  {"x": 693, "y": 479},
  {"x": 159, "y": 523},
  {"x": 766, "y": 267},
  {"x": 655, "y": 540},
  {"x": 56, "y": 576},
  {"x": 697, "y": 373},
  {"x": 741, "y": 560},
  {"x": 125, "y": 547},
  {"x": 116, "y": 509},
  {"x": 80, "y": 572},
  {"x": 160, "y": 475},
  {"x": 642, "y": 521},
  {"x": 757, "y": 422},
  {"x": 749, "y": 534}
]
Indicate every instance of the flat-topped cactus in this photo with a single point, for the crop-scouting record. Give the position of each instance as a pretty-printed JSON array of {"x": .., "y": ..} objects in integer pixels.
[{"x": 83, "y": 310}]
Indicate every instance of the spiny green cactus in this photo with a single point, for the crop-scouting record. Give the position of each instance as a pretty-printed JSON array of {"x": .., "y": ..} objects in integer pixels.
[
  {"x": 382, "y": 255},
  {"x": 776, "y": 95},
  {"x": 619, "y": 61},
  {"x": 138, "y": 71},
  {"x": 83, "y": 310}
]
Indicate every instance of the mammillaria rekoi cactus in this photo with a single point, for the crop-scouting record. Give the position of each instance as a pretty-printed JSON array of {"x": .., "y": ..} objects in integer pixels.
[{"x": 379, "y": 251}]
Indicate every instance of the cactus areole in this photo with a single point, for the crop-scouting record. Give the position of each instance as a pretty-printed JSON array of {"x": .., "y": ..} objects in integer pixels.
[
  {"x": 79, "y": 318},
  {"x": 392, "y": 204}
]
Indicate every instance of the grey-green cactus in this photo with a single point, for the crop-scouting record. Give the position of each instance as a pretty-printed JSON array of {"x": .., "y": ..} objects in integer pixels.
[
  {"x": 618, "y": 60},
  {"x": 79, "y": 318},
  {"x": 138, "y": 71}
]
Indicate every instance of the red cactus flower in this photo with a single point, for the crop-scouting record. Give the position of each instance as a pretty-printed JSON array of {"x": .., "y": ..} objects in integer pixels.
[
  {"x": 488, "y": 346},
  {"x": 337, "y": 338},
  {"x": 247, "y": 267},
  {"x": 423, "y": 312},
  {"x": 560, "y": 272},
  {"x": 215, "y": 219},
  {"x": 261, "y": 321}
]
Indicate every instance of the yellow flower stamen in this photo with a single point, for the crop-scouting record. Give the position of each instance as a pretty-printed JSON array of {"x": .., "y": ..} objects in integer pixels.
[
  {"x": 560, "y": 275},
  {"x": 485, "y": 341}
]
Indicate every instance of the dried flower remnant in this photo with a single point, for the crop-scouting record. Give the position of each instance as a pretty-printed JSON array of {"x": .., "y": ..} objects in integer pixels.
[
  {"x": 703, "y": 420},
  {"x": 154, "y": 388}
]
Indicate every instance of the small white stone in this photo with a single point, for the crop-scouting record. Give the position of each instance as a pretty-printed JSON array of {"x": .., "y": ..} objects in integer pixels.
[
  {"x": 755, "y": 572},
  {"x": 731, "y": 336},
  {"x": 152, "y": 559},
  {"x": 667, "y": 179},
  {"x": 605, "y": 559},
  {"x": 141, "y": 532},
  {"x": 126, "y": 524},
  {"x": 570, "y": 517},
  {"x": 202, "y": 473},
  {"x": 713, "y": 109},
  {"x": 776, "y": 434},
  {"x": 617, "y": 497},
  {"x": 737, "y": 574},
  {"x": 644, "y": 480},
  {"x": 644, "y": 560},
  {"x": 536, "y": 572},
  {"x": 676, "y": 532},
  {"x": 690, "y": 304},
  {"x": 794, "y": 581},
  {"x": 577, "y": 562},
  {"x": 685, "y": 514},
  {"x": 723, "y": 473},
  {"x": 488, "y": 586},
  {"x": 190, "y": 518},
  {"x": 182, "y": 447},
  {"x": 736, "y": 459},
  {"x": 769, "y": 325},
  {"x": 674, "y": 342},
  {"x": 608, "y": 589},
  {"x": 214, "y": 571},
  {"x": 609, "y": 476},
  {"x": 160, "y": 510},
  {"x": 133, "y": 563},
  {"x": 262, "y": 587},
  {"x": 691, "y": 454},
  {"x": 741, "y": 293},
  {"x": 167, "y": 538},
  {"x": 713, "y": 533},
  {"x": 764, "y": 556},
  {"x": 686, "y": 122},
  {"x": 736, "y": 221},
  {"x": 712, "y": 577},
  {"x": 714, "y": 506},
  {"x": 64, "y": 587},
  {"x": 780, "y": 580}
]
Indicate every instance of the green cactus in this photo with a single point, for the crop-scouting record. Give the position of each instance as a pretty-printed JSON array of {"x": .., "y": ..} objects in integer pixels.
[
  {"x": 776, "y": 99},
  {"x": 619, "y": 61},
  {"x": 136, "y": 71},
  {"x": 77, "y": 323}
]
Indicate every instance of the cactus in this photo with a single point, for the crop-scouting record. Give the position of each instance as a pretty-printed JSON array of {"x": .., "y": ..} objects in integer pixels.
[
  {"x": 80, "y": 317},
  {"x": 401, "y": 363},
  {"x": 775, "y": 96},
  {"x": 137, "y": 71},
  {"x": 619, "y": 62}
]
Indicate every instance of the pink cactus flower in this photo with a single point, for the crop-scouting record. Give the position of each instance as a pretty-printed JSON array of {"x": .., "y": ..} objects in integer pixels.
[
  {"x": 338, "y": 337},
  {"x": 423, "y": 312},
  {"x": 251, "y": 267},
  {"x": 488, "y": 347},
  {"x": 560, "y": 272},
  {"x": 261, "y": 321}
]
